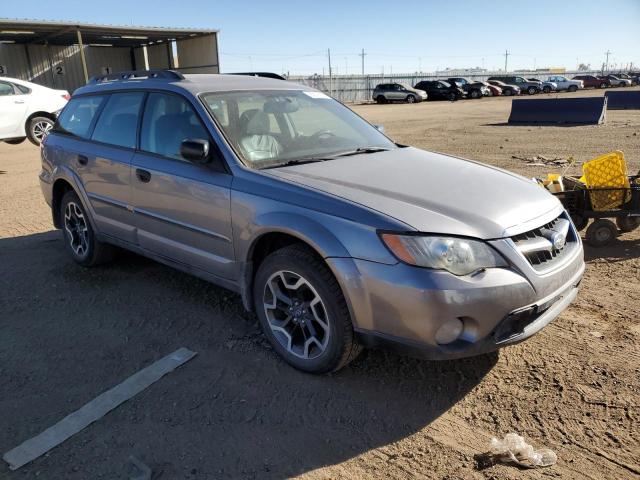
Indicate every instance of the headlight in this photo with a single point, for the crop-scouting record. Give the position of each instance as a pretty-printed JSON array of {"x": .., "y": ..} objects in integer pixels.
[{"x": 460, "y": 256}]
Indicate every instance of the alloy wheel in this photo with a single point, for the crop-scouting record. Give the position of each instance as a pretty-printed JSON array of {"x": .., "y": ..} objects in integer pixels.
[
  {"x": 75, "y": 224},
  {"x": 296, "y": 315},
  {"x": 41, "y": 129}
]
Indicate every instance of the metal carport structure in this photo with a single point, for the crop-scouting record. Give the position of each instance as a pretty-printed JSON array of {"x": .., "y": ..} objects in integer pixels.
[{"x": 65, "y": 55}]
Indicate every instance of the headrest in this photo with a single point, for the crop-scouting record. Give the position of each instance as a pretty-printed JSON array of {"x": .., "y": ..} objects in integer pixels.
[{"x": 259, "y": 124}]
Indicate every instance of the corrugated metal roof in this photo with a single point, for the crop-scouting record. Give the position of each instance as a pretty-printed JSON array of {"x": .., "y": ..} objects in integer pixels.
[{"x": 27, "y": 31}]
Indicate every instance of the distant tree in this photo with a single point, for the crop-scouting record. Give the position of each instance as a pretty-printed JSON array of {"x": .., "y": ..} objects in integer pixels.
[{"x": 583, "y": 67}]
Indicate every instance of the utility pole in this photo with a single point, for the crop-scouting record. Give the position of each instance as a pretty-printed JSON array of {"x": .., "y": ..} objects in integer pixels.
[
  {"x": 362, "y": 55},
  {"x": 607, "y": 53},
  {"x": 330, "y": 73},
  {"x": 506, "y": 56}
]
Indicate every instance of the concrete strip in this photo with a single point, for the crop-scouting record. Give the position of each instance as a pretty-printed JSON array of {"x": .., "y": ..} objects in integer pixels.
[{"x": 95, "y": 409}]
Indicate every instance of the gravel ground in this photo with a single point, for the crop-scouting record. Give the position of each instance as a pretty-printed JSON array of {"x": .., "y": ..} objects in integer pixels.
[{"x": 237, "y": 411}]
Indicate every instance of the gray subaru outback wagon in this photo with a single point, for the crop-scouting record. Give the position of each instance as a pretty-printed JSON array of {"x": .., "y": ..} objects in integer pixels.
[{"x": 335, "y": 236}]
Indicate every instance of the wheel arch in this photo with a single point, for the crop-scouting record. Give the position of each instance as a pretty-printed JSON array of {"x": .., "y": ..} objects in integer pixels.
[
  {"x": 35, "y": 114},
  {"x": 65, "y": 180}
]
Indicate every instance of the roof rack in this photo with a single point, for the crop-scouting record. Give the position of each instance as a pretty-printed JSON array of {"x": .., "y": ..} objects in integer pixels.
[
  {"x": 260, "y": 74},
  {"x": 138, "y": 74}
]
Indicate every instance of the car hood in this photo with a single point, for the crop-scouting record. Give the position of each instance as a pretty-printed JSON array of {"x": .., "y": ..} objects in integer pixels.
[{"x": 432, "y": 192}]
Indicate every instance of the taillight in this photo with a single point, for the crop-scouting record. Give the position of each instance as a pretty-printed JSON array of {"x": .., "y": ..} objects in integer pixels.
[{"x": 66, "y": 96}]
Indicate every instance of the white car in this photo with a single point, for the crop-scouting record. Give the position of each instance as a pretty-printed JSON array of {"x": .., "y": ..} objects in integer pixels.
[
  {"x": 565, "y": 84},
  {"x": 28, "y": 110}
]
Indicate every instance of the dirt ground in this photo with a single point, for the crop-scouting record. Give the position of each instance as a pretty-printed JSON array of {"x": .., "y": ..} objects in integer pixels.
[{"x": 237, "y": 411}]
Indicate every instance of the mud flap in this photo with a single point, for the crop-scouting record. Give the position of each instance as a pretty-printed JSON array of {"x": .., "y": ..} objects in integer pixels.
[{"x": 588, "y": 110}]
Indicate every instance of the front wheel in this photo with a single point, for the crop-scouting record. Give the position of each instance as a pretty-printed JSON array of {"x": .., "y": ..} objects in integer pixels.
[
  {"x": 475, "y": 94},
  {"x": 532, "y": 90},
  {"x": 303, "y": 312},
  {"x": 410, "y": 99},
  {"x": 38, "y": 128},
  {"x": 452, "y": 97},
  {"x": 546, "y": 89},
  {"x": 603, "y": 85},
  {"x": 79, "y": 238},
  {"x": 601, "y": 232},
  {"x": 573, "y": 88},
  {"x": 506, "y": 92}
]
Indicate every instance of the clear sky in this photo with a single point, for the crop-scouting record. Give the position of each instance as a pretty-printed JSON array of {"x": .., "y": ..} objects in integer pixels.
[{"x": 402, "y": 36}]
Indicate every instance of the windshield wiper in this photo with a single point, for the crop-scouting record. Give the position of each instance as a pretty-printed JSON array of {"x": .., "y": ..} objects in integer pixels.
[
  {"x": 296, "y": 161},
  {"x": 360, "y": 150},
  {"x": 300, "y": 161}
]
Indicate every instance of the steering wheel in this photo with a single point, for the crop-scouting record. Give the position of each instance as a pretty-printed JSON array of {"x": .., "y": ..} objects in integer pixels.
[{"x": 322, "y": 135}]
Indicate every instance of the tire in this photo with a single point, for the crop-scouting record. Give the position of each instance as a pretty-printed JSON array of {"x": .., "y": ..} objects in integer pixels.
[
  {"x": 628, "y": 224},
  {"x": 380, "y": 99},
  {"x": 410, "y": 99},
  {"x": 507, "y": 93},
  {"x": 475, "y": 94},
  {"x": 546, "y": 89},
  {"x": 79, "y": 238},
  {"x": 15, "y": 141},
  {"x": 532, "y": 90},
  {"x": 601, "y": 232},
  {"x": 579, "y": 222},
  {"x": 452, "y": 97},
  {"x": 603, "y": 85},
  {"x": 329, "y": 322},
  {"x": 37, "y": 129},
  {"x": 573, "y": 88}
]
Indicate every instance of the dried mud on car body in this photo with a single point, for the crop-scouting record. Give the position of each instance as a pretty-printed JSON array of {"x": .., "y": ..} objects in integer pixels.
[{"x": 238, "y": 411}]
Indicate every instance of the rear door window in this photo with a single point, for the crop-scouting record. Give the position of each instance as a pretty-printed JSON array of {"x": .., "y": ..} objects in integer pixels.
[
  {"x": 6, "y": 89},
  {"x": 77, "y": 117},
  {"x": 118, "y": 122}
]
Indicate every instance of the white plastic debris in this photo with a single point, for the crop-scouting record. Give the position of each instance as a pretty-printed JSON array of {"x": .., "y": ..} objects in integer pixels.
[{"x": 513, "y": 449}]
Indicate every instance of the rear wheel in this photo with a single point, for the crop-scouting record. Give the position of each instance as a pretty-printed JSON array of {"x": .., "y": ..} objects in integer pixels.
[
  {"x": 303, "y": 312},
  {"x": 79, "y": 238},
  {"x": 506, "y": 92},
  {"x": 628, "y": 224},
  {"x": 546, "y": 89},
  {"x": 380, "y": 99},
  {"x": 580, "y": 222},
  {"x": 603, "y": 85},
  {"x": 38, "y": 128},
  {"x": 573, "y": 88},
  {"x": 475, "y": 94},
  {"x": 601, "y": 232},
  {"x": 410, "y": 99}
]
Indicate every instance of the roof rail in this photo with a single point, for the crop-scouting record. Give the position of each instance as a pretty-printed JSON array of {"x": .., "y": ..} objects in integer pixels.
[
  {"x": 138, "y": 74},
  {"x": 260, "y": 74}
]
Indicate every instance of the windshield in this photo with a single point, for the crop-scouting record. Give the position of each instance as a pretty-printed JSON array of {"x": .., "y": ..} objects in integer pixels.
[{"x": 272, "y": 128}]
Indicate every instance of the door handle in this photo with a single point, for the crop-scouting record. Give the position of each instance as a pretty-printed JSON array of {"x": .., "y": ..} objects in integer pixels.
[
  {"x": 143, "y": 175},
  {"x": 82, "y": 159},
  {"x": 18, "y": 101}
]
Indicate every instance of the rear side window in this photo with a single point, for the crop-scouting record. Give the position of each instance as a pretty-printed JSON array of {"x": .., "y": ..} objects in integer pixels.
[
  {"x": 118, "y": 122},
  {"x": 6, "y": 89},
  {"x": 169, "y": 120},
  {"x": 23, "y": 90},
  {"x": 76, "y": 118}
]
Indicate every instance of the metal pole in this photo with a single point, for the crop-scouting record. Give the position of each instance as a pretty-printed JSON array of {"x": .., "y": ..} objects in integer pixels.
[
  {"x": 506, "y": 56},
  {"x": 330, "y": 73},
  {"x": 82, "y": 59},
  {"x": 607, "y": 62}
]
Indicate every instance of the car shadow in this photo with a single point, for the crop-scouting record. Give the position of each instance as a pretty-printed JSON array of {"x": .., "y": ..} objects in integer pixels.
[
  {"x": 236, "y": 410},
  {"x": 546, "y": 124},
  {"x": 619, "y": 250}
]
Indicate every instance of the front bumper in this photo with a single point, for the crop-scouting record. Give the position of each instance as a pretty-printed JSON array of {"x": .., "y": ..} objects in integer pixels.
[{"x": 402, "y": 307}]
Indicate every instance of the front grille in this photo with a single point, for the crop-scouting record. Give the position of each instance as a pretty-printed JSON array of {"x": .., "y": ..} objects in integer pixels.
[{"x": 541, "y": 246}]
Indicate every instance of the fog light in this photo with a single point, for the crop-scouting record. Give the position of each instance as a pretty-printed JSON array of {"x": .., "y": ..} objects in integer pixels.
[{"x": 449, "y": 331}]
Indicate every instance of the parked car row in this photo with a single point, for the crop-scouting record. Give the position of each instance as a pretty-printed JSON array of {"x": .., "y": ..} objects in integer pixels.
[{"x": 455, "y": 88}]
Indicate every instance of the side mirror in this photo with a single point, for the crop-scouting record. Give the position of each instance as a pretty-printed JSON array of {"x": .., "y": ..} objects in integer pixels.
[
  {"x": 195, "y": 150},
  {"x": 380, "y": 128}
]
